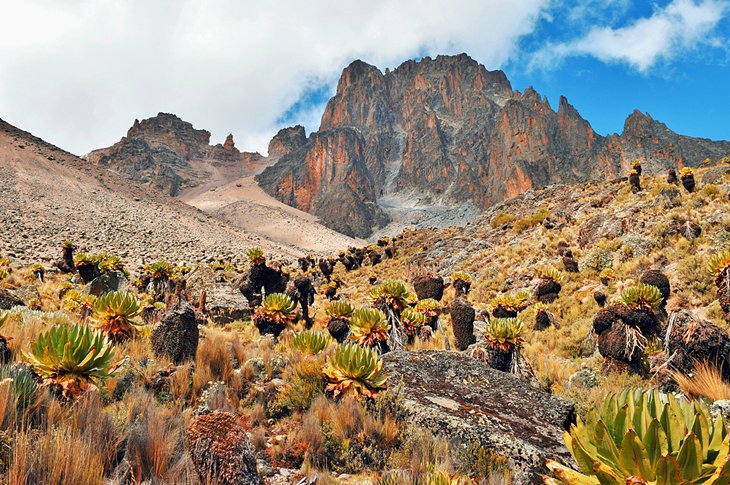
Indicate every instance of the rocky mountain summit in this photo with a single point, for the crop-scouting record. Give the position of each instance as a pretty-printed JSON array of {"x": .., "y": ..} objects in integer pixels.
[
  {"x": 170, "y": 155},
  {"x": 447, "y": 133}
]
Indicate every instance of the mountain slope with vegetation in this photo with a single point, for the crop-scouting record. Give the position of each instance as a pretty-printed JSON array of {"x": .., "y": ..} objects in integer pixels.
[{"x": 459, "y": 355}]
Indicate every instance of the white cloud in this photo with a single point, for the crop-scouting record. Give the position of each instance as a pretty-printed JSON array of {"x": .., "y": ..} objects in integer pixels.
[
  {"x": 78, "y": 72},
  {"x": 680, "y": 26}
]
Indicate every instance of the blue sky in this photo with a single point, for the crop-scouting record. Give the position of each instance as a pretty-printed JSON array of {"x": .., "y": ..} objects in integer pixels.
[{"x": 78, "y": 72}]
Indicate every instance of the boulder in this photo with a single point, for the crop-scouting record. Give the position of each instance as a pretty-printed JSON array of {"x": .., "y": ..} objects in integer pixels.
[
  {"x": 462, "y": 399},
  {"x": 111, "y": 281},
  {"x": 27, "y": 293},
  {"x": 221, "y": 450},
  {"x": 598, "y": 228},
  {"x": 224, "y": 304},
  {"x": 200, "y": 279},
  {"x": 691, "y": 341},
  {"x": 176, "y": 336},
  {"x": 715, "y": 175},
  {"x": 8, "y": 300}
]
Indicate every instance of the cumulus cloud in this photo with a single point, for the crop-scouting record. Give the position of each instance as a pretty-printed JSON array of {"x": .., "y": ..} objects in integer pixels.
[
  {"x": 78, "y": 72},
  {"x": 680, "y": 26}
]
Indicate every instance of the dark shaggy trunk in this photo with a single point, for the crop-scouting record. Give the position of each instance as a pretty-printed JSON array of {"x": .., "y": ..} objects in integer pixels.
[
  {"x": 600, "y": 297},
  {"x": 547, "y": 290},
  {"x": 672, "y": 177},
  {"x": 688, "y": 182},
  {"x": 635, "y": 182},
  {"x": 502, "y": 312},
  {"x": 87, "y": 272},
  {"x": 570, "y": 264},
  {"x": 429, "y": 286},
  {"x": 339, "y": 328},
  {"x": 67, "y": 260},
  {"x": 326, "y": 266},
  {"x": 462, "y": 323}
]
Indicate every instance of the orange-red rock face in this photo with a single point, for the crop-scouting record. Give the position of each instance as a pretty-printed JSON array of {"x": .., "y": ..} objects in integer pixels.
[{"x": 449, "y": 129}]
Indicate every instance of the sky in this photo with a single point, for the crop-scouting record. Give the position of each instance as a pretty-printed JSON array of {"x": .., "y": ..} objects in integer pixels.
[{"x": 78, "y": 72}]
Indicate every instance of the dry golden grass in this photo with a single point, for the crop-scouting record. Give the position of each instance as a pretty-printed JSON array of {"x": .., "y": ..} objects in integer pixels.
[{"x": 705, "y": 381}]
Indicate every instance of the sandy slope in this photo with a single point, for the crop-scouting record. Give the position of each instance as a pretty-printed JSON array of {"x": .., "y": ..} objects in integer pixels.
[
  {"x": 243, "y": 204},
  {"x": 50, "y": 195}
]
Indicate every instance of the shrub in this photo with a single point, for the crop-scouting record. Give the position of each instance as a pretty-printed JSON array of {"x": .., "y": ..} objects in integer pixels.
[
  {"x": 355, "y": 370},
  {"x": 368, "y": 326},
  {"x": 505, "y": 333},
  {"x": 642, "y": 297},
  {"x": 502, "y": 218},
  {"x": 646, "y": 437},
  {"x": 534, "y": 219},
  {"x": 311, "y": 342},
  {"x": 114, "y": 313},
  {"x": 74, "y": 357}
]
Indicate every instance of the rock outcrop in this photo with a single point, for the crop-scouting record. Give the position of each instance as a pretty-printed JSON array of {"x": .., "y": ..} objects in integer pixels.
[
  {"x": 464, "y": 400},
  {"x": 170, "y": 155},
  {"x": 447, "y": 131}
]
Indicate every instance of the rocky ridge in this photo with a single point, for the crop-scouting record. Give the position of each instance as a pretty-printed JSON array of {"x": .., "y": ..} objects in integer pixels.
[
  {"x": 170, "y": 155},
  {"x": 52, "y": 195},
  {"x": 444, "y": 133}
]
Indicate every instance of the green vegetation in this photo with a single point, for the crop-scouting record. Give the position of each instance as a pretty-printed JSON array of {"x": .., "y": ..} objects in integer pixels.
[
  {"x": 355, "y": 370},
  {"x": 646, "y": 437}
]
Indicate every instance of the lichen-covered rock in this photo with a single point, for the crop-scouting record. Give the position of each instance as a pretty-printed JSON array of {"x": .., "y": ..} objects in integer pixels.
[
  {"x": 176, "y": 336},
  {"x": 221, "y": 450},
  {"x": 110, "y": 281},
  {"x": 9, "y": 300},
  {"x": 224, "y": 304},
  {"x": 600, "y": 227},
  {"x": 691, "y": 341},
  {"x": 464, "y": 400}
]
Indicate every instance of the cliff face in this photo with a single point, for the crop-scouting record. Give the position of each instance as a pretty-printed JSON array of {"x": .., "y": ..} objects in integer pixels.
[
  {"x": 447, "y": 131},
  {"x": 168, "y": 154}
]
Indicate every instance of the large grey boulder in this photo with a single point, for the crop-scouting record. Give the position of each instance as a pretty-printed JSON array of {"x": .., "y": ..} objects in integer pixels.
[
  {"x": 225, "y": 304},
  {"x": 107, "y": 282},
  {"x": 464, "y": 400},
  {"x": 8, "y": 300},
  {"x": 176, "y": 336}
]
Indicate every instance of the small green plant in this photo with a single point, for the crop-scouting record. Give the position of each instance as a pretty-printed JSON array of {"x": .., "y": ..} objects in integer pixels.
[
  {"x": 599, "y": 259},
  {"x": 23, "y": 383},
  {"x": 114, "y": 314},
  {"x": 502, "y": 218},
  {"x": 73, "y": 356},
  {"x": 256, "y": 256},
  {"x": 429, "y": 307},
  {"x": 719, "y": 266},
  {"x": 505, "y": 333},
  {"x": 642, "y": 297},
  {"x": 159, "y": 270},
  {"x": 369, "y": 326},
  {"x": 550, "y": 273},
  {"x": 511, "y": 303},
  {"x": 685, "y": 172},
  {"x": 111, "y": 263},
  {"x": 355, "y": 370},
  {"x": 646, "y": 437},
  {"x": 339, "y": 309},
  {"x": 412, "y": 320},
  {"x": 275, "y": 313},
  {"x": 460, "y": 276},
  {"x": 393, "y": 294},
  {"x": 311, "y": 342}
]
